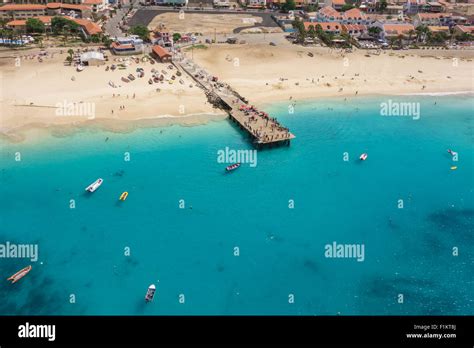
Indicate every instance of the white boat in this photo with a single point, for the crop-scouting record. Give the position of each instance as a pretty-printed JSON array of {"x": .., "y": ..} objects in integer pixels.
[
  {"x": 80, "y": 67},
  {"x": 95, "y": 185},
  {"x": 363, "y": 157},
  {"x": 150, "y": 293}
]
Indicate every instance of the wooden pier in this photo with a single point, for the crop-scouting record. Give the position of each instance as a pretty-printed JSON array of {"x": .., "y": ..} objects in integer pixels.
[{"x": 262, "y": 129}]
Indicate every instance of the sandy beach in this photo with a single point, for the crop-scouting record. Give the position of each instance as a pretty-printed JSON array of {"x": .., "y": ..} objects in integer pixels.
[{"x": 31, "y": 92}]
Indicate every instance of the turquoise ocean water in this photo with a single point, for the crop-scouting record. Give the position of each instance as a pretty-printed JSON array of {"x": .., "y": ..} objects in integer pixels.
[{"x": 190, "y": 251}]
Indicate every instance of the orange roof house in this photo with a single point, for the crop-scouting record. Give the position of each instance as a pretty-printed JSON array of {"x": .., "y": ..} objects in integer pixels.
[
  {"x": 397, "y": 29},
  {"x": 18, "y": 23},
  {"x": 22, "y": 7},
  {"x": 354, "y": 14},
  {"x": 463, "y": 29},
  {"x": 329, "y": 27},
  {"x": 89, "y": 27},
  {"x": 162, "y": 53}
]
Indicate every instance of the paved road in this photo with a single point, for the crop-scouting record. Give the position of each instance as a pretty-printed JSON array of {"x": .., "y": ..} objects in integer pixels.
[{"x": 112, "y": 25}]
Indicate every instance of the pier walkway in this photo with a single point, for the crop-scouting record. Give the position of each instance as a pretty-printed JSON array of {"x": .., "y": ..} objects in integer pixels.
[{"x": 262, "y": 128}]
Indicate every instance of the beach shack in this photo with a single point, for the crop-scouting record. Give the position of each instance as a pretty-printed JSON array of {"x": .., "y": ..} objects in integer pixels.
[
  {"x": 92, "y": 58},
  {"x": 161, "y": 53}
]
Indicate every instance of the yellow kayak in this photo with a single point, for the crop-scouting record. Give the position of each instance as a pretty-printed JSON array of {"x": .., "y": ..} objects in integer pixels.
[
  {"x": 124, "y": 196},
  {"x": 454, "y": 168}
]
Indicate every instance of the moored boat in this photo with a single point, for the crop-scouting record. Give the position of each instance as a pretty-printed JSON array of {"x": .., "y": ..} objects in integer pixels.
[
  {"x": 452, "y": 153},
  {"x": 80, "y": 67},
  {"x": 20, "y": 274},
  {"x": 364, "y": 156},
  {"x": 232, "y": 167},
  {"x": 150, "y": 294},
  {"x": 95, "y": 185},
  {"x": 123, "y": 196}
]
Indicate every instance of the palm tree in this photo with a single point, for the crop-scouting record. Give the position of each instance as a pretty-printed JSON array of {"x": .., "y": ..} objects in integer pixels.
[
  {"x": 392, "y": 40},
  {"x": 422, "y": 32},
  {"x": 410, "y": 35},
  {"x": 400, "y": 40},
  {"x": 70, "y": 52}
]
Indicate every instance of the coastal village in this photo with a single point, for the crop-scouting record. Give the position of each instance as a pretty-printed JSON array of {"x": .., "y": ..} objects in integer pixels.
[{"x": 128, "y": 57}]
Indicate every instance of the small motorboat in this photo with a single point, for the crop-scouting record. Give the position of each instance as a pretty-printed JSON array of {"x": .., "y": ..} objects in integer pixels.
[
  {"x": 310, "y": 54},
  {"x": 454, "y": 167},
  {"x": 80, "y": 67},
  {"x": 150, "y": 293},
  {"x": 178, "y": 73},
  {"x": 150, "y": 81},
  {"x": 232, "y": 167},
  {"x": 131, "y": 77},
  {"x": 123, "y": 196},
  {"x": 95, "y": 185},
  {"x": 152, "y": 61},
  {"x": 124, "y": 79},
  {"x": 452, "y": 153},
  {"x": 173, "y": 77},
  {"x": 20, "y": 274},
  {"x": 181, "y": 82},
  {"x": 107, "y": 68},
  {"x": 364, "y": 156}
]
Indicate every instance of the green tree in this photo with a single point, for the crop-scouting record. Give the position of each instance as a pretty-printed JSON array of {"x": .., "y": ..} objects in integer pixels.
[
  {"x": 374, "y": 31},
  {"x": 382, "y": 5},
  {"x": 176, "y": 37},
  {"x": 392, "y": 40},
  {"x": 464, "y": 37},
  {"x": 95, "y": 38},
  {"x": 312, "y": 32},
  {"x": 34, "y": 25},
  {"x": 410, "y": 35},
  {"x": 289, "y": 5},
  {"x": 422, "y": 32},
  {"x": 107, "y": 41},
  {"x": 69, "y": 60},
  {"x": 298, "y": 25},
  {"x": 400, "y": 40},
  {"x": 60, "y": 24},
  {"x": 347, "y": 7},
  {"x": 140, "y": 30}
]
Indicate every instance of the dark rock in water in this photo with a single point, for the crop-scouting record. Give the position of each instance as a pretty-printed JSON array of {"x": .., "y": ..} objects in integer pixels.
[
  {"x": 392, "y": 225},
  {"x": 119, "y": 173},
  {"x": 311, "y": 265},
  {"x": 220, "y": 268},
  {"x": 457, "y": 222}
]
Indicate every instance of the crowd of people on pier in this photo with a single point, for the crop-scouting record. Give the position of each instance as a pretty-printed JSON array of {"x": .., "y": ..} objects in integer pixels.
[{"x": 261, "y": 132}]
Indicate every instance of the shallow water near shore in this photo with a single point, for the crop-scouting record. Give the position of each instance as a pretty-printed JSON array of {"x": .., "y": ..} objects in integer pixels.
[{"x": 190, "y": 253}]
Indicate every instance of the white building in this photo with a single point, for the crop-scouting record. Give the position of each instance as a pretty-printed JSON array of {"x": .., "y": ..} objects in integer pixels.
[{"x": 92, "y": 58}]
